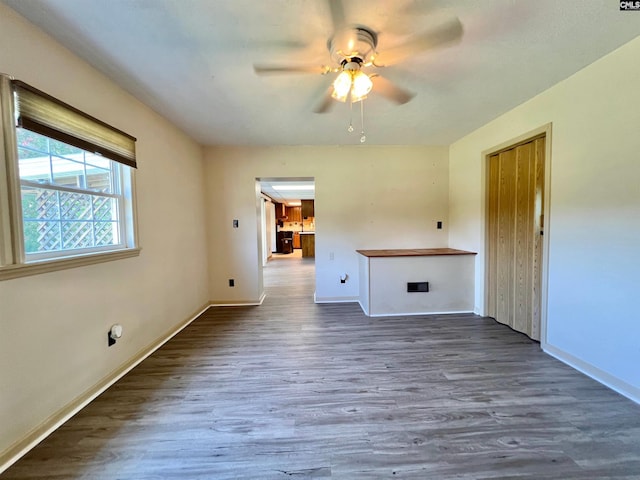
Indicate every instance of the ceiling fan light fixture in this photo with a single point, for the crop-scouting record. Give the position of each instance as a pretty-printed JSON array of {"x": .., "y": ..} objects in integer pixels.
[
  {"x": 361, "y": 86},
  {"x": 342, "y": 86},
  {"x": 353, "y": 42}
]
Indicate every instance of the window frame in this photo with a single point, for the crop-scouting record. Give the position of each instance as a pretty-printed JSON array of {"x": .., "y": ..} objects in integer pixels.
[{"x": 14, "y": 261}]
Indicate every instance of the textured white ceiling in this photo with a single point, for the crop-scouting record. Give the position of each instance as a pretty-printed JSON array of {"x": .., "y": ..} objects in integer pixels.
[{"x": 191, "y": 60}]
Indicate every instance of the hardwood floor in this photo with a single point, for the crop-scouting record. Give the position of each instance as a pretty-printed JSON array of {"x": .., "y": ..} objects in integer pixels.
[{"x": 292, "y": 389}]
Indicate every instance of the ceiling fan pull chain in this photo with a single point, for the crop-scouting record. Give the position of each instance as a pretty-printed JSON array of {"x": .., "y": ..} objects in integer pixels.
[
  {"x": 350, "y": 128},
  {"x": 363, "y": 138}
]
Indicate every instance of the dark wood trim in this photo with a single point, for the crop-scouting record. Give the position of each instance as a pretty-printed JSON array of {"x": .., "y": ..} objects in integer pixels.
[{"x": 413, "y": 252}]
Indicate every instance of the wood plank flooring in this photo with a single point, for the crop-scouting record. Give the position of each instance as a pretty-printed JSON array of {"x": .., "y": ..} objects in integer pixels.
[{"x": 297, "y": 390}]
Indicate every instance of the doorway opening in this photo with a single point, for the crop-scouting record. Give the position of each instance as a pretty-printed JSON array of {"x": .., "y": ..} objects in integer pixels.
[{"x": 288, "y": 228}]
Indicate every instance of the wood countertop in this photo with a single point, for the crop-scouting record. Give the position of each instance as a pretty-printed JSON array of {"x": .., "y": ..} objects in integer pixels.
[{"x": 413, "y": 252}]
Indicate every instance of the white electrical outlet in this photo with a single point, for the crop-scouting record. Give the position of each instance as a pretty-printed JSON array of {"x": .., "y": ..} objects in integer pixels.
[{"x": 330, "y": 255}]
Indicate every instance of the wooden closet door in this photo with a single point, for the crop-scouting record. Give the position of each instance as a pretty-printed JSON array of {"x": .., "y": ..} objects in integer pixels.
[{"x": 514, "y": 234}]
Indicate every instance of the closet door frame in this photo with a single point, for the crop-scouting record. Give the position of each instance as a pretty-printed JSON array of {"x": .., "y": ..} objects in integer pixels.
[{"x": 546, "y": 131}]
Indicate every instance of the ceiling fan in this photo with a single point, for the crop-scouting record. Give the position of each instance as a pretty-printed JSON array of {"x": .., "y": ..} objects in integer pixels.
[{"x": 353, "y": 53}]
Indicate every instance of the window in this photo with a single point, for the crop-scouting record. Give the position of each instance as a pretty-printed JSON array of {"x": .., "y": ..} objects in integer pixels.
[{"x": 66, "y": 185}]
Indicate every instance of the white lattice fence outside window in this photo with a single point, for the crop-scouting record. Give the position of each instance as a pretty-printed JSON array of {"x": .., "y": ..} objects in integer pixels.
[{"x": 71, "y": 199}]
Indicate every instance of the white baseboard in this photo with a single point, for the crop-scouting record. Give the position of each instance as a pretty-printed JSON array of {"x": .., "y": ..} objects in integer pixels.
[
  {"x": 364, "y": 310},
  {"x": 46, "y": 428},
  {"x": 623, "y": 388},
  {"x": 242, "y": 303},
  {"x": 413, "y": 314},
  {"x": 317, "y": 299}
]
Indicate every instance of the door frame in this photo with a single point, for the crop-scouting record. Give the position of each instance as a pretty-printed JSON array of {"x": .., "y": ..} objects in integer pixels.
[
  {"x": 259, "y": 196},
  {"x": 546, "y": 131}
]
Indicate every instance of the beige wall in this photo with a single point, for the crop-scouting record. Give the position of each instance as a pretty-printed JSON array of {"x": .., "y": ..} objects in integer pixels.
[
  {"x": 53, "y": 327},
  {"x": 366, "y": 197},
  {"x": 594, "y": 223}
]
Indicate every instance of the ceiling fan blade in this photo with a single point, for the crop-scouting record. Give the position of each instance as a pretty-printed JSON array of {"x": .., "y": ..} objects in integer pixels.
[
  {"x": 446, "y": 33},
  {"x": 390, "y": 90},
  {"x": 337, "y": 14},
  {"x": 284, "y": 69},
  {"x": 326, "y": 103}
]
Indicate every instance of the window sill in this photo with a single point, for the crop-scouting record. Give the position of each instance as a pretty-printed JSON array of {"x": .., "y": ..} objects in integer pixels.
[{"x": 23, "y": 270}]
